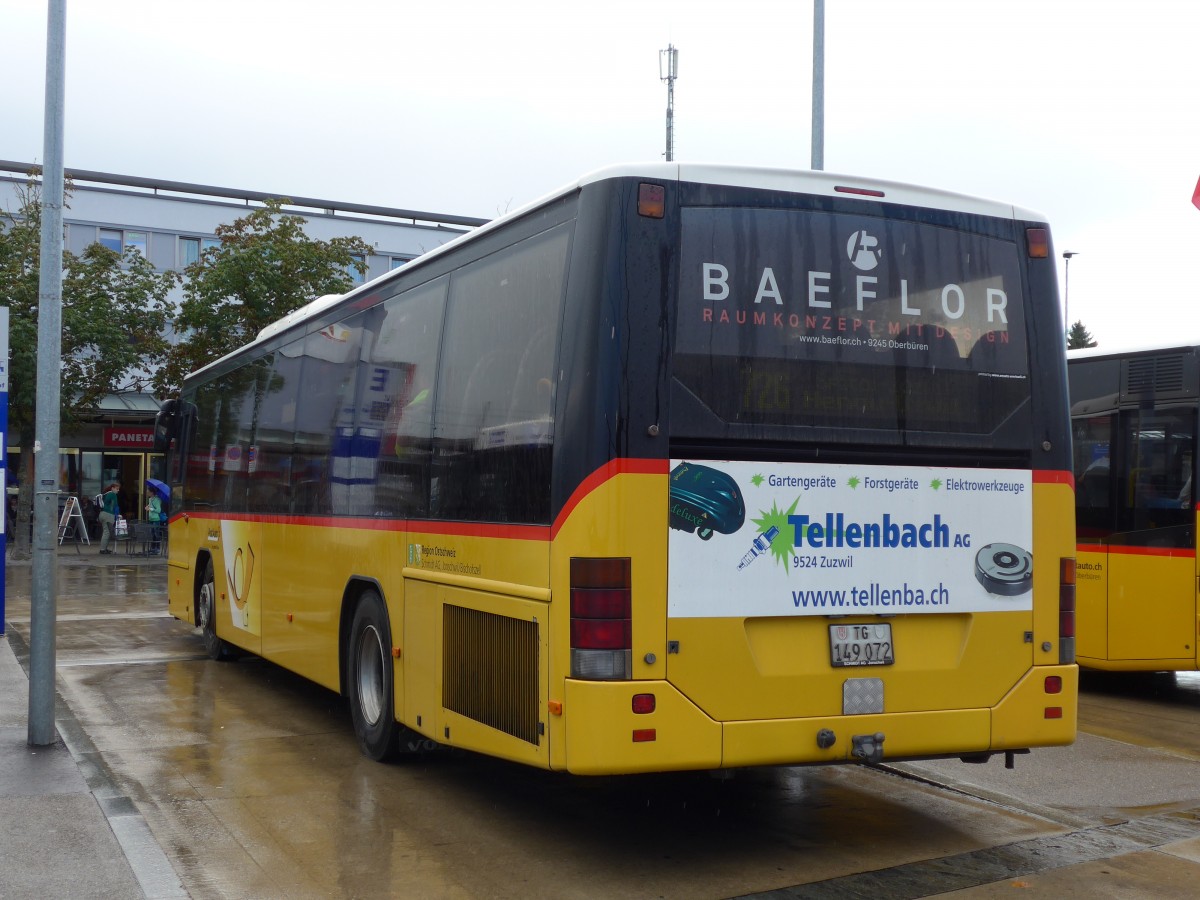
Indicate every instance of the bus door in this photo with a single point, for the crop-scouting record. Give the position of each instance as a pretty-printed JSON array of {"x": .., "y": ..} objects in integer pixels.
[{"x": 1151, "y": 566}]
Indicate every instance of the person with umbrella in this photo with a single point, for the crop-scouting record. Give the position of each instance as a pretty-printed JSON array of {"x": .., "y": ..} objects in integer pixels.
[{"x": 155, "y": 514}]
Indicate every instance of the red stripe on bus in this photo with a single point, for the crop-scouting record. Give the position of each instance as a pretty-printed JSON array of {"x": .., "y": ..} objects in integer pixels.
[
  {"x": 1053, "y": 476},
  {"x": 464, "y": 529},
  {"x": 603, "y": 474},
  {"x": 1122, "y": 550}
]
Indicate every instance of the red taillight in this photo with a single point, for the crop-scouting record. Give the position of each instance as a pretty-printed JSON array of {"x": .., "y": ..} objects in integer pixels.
[
  {"x": 1037, "y": 240},
  {"x": 600, "y": 634},
  {"x": 1066, "y": 610},
  {"x": 599, "y": 603},
  {"x": 601, "y": 618},
  {"x": 1053, "y": 684}
]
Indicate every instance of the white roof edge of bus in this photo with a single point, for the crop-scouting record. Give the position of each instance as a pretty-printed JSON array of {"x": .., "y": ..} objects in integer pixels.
[
  {"x": 792, "y": 180},
  {"x": 311, "y": 308},
  {"x": 1160, "y": 347}
]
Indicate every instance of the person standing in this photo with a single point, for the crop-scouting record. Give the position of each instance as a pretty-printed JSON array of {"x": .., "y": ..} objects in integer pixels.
[
  {"x": 108, "y": 516},
  {"x": 154, "y": 515}
]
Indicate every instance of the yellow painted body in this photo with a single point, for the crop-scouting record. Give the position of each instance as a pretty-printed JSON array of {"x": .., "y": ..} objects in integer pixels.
[
  {"x": 729, "y": 691},
  {"x": 1137, "y": 609}
]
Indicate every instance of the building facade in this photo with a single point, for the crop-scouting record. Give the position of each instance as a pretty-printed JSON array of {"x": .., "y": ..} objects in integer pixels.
[{"x": 171, "y": 223}]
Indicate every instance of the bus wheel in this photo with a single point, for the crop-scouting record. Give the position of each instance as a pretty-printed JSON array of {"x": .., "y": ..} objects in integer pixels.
[
  {"x": 371, "y": 680},
  {"x": 206, "y": 609}
]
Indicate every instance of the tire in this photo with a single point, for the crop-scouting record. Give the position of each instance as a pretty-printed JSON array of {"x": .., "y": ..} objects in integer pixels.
[
  {"x": 206, "y": 614},
  {"x": 371, "y": 680}
]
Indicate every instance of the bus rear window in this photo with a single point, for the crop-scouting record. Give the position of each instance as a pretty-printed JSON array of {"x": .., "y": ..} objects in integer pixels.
[{"x": 793, "y": 317}]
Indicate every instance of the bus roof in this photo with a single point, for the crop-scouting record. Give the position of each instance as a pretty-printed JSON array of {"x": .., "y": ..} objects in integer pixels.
[
  {"x": 1105, "y": 352},
  {"x": 798, "y": 181}
]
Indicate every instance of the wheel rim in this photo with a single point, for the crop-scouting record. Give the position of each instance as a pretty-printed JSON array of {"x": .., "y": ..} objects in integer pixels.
[
  {"x": 370, "y": 675},
  {"x": 206, "y": 604}
]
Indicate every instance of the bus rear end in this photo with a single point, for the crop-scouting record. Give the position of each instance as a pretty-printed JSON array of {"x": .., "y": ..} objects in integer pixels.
[{"x": 843, "y": 492}]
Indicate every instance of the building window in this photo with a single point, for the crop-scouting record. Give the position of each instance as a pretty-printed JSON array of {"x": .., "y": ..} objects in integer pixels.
[
  {"x": 398, "y": 261},
  {"x": 119, "y": 241},
  {"x": 190, "y": 249},
  {"x": 112, "y": 239},
  {"x": 356, "y": 277}
]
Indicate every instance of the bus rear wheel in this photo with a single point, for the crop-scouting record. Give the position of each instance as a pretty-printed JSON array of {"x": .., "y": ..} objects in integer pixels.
[
  {"x": 206, "y": 612},
  {"x": 371, "y": 678}
]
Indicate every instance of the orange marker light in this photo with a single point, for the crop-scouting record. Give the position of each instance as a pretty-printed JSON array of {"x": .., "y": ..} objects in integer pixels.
[
  {"x": 1038, "y": 242},
  {"x": 652, "y": 200},
  {"x": 555, "y": 707}
]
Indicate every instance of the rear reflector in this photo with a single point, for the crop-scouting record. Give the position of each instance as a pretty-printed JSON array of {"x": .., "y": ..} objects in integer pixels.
[
  {"x": 643, "y": 703},
  {"x": 640, "y": 735},
  {"x": 1053, "y": 712}
]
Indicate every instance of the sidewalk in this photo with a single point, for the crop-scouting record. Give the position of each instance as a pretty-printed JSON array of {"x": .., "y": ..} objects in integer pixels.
[{"x": 62, "y": 834}]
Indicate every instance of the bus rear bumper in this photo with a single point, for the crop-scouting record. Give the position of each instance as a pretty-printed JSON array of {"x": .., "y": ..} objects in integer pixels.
[{"x": 604, "y": 736}]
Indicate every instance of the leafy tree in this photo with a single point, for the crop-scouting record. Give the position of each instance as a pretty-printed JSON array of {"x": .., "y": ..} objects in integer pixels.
[
  {"x": 115, "y": 310},
  {"x": 264, "y": 268},
  {"x": 1079, "y": 337}
]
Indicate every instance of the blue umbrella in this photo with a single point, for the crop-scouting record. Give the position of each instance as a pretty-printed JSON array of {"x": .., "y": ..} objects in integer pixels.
[{"x": 159, "y": 488}]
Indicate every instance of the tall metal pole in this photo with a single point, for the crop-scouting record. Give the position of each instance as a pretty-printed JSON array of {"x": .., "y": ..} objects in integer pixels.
[
  {"x": 44, "y": 587},
  {"x": 668, "y": 71},
  {"x": 1067, "y": 254},
  {"x": 818, "y": 86}
]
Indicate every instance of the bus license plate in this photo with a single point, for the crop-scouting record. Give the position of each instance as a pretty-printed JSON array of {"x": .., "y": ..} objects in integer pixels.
[{"x": 861, "y": 645}]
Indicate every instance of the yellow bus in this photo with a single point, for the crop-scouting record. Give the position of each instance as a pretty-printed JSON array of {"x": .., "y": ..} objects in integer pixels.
[
  {"x": 1134, "y": 426},
  {"x": 679, "y": 467}
]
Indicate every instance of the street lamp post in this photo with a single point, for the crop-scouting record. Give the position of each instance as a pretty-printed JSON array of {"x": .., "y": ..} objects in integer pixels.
[{"x": 1067, "y": 254}]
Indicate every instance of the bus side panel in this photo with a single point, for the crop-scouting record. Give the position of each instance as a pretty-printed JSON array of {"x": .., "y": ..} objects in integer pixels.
[
  {"x": 183, "y": 538},
  {"x": 1091, "y": 604},
  {"x": 1152, "y": 609},
  {"x": 303, "y": 584},
  {"x": 420, "y": 658}
]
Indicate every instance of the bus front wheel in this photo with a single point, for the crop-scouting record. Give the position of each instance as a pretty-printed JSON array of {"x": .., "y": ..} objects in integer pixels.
[
  {"x": 206, "y": 612},
  {"x": 371, "y": 679}
]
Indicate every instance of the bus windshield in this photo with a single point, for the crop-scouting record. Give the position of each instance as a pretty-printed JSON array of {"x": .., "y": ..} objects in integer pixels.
[{"x": 901, "y": 325}]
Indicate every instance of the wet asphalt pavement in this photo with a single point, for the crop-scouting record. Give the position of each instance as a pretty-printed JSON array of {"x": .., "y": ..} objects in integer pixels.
[{"x": 180, "y": 776}]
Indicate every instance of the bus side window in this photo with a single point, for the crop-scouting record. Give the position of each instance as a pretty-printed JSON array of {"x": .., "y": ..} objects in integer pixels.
[{"x": 533, "y": 392}]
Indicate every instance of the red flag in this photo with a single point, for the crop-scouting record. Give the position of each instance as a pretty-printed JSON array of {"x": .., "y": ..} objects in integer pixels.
[{"x": 1196, "y": 196}]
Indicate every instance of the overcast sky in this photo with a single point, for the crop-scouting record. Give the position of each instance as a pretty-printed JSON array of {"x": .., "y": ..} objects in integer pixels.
[{"x": 1085, "y": 110}]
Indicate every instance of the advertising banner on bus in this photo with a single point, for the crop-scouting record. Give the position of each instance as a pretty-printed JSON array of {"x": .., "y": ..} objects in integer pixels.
[
  {"x": 793, "y": 284},
  {"x": 771, "y": 539}
]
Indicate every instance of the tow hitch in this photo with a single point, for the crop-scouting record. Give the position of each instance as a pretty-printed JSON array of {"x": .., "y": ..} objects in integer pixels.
[{"x": 868, "y": 747}]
